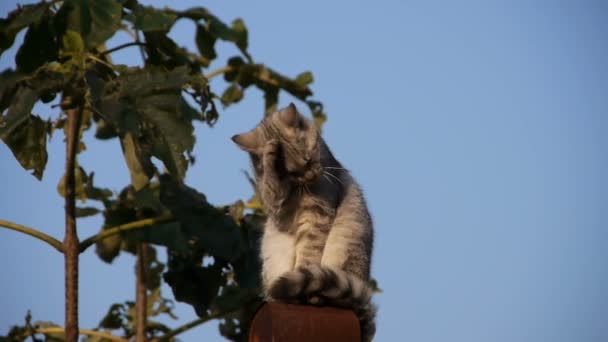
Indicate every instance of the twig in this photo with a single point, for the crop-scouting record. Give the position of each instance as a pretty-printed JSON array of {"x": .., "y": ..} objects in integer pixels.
[
  {"x": 107, "y": 65},
  {"x": 193, "y": 324},
  {"x": 34, "y": 233},
  {"x": 219, "y": 71},
  {"x": 122, "y": 46},
  {"x": 122, "y": 228}
]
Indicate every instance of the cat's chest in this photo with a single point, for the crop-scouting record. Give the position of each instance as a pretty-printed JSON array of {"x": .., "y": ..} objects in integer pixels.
[{"x": 304, "y": 211}]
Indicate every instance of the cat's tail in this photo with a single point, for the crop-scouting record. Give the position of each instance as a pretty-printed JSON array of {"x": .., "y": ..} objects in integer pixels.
[{"x": 319, "y": 285}]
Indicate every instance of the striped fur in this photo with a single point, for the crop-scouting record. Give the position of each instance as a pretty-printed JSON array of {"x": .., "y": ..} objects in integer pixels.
[
  {"x": 318, "y": 239},
  {"x": 319, "y": 285}
]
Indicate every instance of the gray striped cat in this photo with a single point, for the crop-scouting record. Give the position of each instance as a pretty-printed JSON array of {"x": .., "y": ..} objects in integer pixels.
[{"x": 317, "y": 242}]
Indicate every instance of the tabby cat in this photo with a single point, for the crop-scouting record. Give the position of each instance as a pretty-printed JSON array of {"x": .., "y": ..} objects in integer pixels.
[{"x": 317, "y": 242}]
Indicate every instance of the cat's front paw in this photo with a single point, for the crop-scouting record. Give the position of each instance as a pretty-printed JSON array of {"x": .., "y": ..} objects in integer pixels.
[{"x": 271, "y": 149}]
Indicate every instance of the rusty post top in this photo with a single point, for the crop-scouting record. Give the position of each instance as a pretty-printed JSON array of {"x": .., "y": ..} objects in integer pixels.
[{"x": 279, "y": 322}]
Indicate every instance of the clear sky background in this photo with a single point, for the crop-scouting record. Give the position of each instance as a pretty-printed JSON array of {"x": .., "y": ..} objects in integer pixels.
[{"x": 478, "y": 131}]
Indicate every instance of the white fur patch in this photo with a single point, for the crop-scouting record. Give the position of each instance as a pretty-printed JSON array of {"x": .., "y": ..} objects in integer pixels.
[{"x": 278, "y": 254}]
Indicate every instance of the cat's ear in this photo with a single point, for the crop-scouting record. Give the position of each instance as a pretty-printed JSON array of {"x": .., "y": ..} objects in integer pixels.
[
  {"x": 289, "y": 115},
  {"x": 250, "y": 141}
]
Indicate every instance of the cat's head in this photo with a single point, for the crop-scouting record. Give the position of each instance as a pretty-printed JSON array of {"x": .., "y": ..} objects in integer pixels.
[{"x": 299, "y": 144}]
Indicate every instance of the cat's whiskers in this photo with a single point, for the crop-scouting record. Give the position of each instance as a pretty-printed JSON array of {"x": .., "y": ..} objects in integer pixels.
[
  {"x": 333, "y": 176},
  {"x": 317, "y": 202},
  {"x": 328, "y": 179}
]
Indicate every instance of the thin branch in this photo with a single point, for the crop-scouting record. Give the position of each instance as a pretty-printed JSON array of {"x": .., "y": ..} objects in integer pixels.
[
  {"x": 141, "y": 293},
  {"x": 123, "y": 228},
  {"x": 122, "y": 46},
  {"x": 193, "y": 324},
  {"x": 34, "y": 233},
  {"x": 247, "y": 56},
  {"x": 107, "y": 65},
  {"x": 141, "y": 46},
  {"x": 73, "y": 109},
  {"x": 60, "y": 330},
  {"x": 217, "y": 72}
]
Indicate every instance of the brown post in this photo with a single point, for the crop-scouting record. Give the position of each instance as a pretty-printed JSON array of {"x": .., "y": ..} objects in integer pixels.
[{"x": 278, "y": 322}]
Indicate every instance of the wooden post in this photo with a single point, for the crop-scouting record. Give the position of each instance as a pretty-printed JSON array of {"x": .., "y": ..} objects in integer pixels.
[{"x": 278, "y": 322}]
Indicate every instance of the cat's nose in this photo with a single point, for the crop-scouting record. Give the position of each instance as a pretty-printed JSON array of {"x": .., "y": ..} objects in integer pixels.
[{"x": 310, "y": 175}]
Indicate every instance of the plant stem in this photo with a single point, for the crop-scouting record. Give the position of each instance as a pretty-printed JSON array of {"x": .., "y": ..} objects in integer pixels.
[
  {"x": 123, "y": 228},
  {"x": 193, "y": 324},
  {"x": 104, "y": 335},
  {"x": 141, "y": 295},
  {"x": 122, "y": 46},
  {"x": 70, "y": 242},
  {"x": 217, "y": 72},
  {"x": 34, "y": 233}
]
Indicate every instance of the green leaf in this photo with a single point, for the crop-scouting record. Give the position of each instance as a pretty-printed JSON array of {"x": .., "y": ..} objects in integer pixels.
[
  {"x": 17, "y": 20},
  {"x": 117, "y": 212},
  {"x": 19, "y": 93},
  {"x": 247, "y": 268},
  {"x": 318, "y": 114},
  {"x": 115, "y": 318},
  {"x": 141, "y": 168},
  {"x": 28, "y": 144},
  {"x": 8, "y": 86},
  {"x": 163, "y": 51},
  {"x": 271, "y": 100},
  {"x": 203, "y": 225},
  {"x": 304, "y": 79},
  {"x": 235, "y": 326},
  {"x": 21, "y": 106},
  {"x": 72, "y": 42},
  {"x": 80, "y": 180},
  {"x": 148, "y": 104},
  {"x": 23, "y": 133},
  {"x": 95, "y": 21},
  {"x": 239, "y": 33},
  {"x": 154, "y": 272},
  {"x": 214, "y": 29},
  {"x": 232, "y": 94},
  {"x": 95, "y": 193},
  {"x": 205, "y": 42},
  {"x": 151, "y": 19},
  {"x": 39, "y": 46},
  {"x": 168, "y": 235},
  {"x": 232, "y": 298},
  {"x": 193, "y": 284},
  {"x": 86, "y": 211}
]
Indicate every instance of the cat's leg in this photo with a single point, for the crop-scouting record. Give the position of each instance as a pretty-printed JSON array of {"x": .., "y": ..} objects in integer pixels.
[
  {"x": 310, "y": 237},
  {"x": 277, "y": 252},
  {"x": 350, "y": 240},
  {"x": 274, "y": 191},
  {"x": 309, "y": 243}
]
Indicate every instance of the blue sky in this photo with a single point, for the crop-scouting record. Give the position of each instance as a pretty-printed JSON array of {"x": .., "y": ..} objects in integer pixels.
[{"x": 477, "y": 130}]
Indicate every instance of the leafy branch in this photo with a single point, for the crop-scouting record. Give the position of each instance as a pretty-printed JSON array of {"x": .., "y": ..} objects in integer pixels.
[{"x": 106, "y": 233}]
